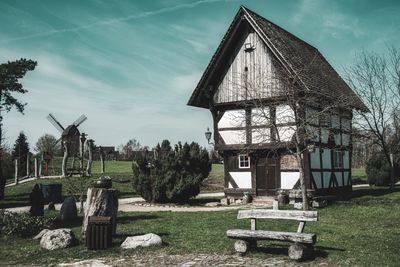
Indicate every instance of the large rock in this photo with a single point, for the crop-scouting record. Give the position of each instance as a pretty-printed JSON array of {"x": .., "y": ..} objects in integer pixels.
[
  {"x": 68, "y": 210},
  {"x": 142, "y": 241},
  {"x": 59, "y": 238},
  {"x": 40, "y": 234}
]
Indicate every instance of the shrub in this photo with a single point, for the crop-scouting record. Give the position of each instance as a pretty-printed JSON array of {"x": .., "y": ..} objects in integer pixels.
[
  {"x": 22, "y": 224},
  {"x": 171, "y": 175},
  {"x": 378, "y": 170}
]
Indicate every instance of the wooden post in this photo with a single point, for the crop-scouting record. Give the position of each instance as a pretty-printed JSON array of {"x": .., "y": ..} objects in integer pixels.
[
  {"x": 27, "y": 165},
  {"x": 103, "y": 167},
  {"x": 275, "y": 205},
  {"x": 65, "y": 158},
  {"x": 101, "y": 202},
  {"x": 36, "y": 168},
  {"x": 16, "y": 171},
  {"x": 90, "y": 159},
  {"x": 391, "y": 172}
]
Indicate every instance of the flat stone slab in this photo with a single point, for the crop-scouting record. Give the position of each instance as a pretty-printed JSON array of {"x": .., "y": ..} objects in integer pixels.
[{"x": 146, "y": 240}]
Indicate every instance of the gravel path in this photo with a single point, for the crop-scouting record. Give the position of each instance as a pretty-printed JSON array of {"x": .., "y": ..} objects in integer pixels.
[{"x": 188, "y": 260}]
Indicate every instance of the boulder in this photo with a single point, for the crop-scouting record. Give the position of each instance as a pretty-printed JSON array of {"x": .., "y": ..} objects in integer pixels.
[
  {"x": 59, "y": 238},
  {"x": 225, "y": 201},
  {"x": 298, "y": 205},
  {"x": 68, "y": 210},
  {"x": 40, "y": 234},
  {"x": 142, "y": 241}
]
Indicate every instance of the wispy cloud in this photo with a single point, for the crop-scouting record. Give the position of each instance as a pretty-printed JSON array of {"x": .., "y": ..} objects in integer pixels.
[{"x": 112, "y": 21}]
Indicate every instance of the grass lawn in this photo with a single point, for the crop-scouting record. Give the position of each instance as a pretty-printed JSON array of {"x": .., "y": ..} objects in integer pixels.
[
  {"x": 119, "y": 171},
  {"x": 359, "y": 176},
  {"x": 362, "y": 231}
]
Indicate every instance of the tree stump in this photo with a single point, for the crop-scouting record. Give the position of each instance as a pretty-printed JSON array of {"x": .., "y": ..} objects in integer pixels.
[
  {"x": 101, "y": 202},
  {"x": 300, "y": 252},
  {"x": 241, "y": 247}
]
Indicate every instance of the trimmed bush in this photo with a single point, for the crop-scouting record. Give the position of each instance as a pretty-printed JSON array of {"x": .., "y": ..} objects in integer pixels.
[
  {"x": 22, "y": 224},
  {"x": 378, "y": 170},
  {"x": 171, "y": 175}
]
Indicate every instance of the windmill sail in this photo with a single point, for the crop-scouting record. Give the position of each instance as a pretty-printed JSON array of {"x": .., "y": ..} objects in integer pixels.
[
  {"x": 80, "y": 120},
  {"x": 55, "y": 123}
]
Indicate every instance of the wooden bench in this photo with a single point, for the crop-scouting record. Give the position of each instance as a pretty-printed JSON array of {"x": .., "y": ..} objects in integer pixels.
[{"x": 303, "y": 242}]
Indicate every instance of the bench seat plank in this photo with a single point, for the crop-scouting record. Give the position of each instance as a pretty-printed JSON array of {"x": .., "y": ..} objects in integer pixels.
[
  {"x": 298, "y": 215},
  {"x": 271, "y": 235}
]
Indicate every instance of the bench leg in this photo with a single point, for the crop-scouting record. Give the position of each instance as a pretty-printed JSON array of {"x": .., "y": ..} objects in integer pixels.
[
  {"x": 299, "y": 252},
  {"x": 241, "y": 247}
]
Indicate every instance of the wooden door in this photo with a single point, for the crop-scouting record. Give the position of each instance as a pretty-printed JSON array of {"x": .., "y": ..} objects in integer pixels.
[{"x": 267, "y": 176}]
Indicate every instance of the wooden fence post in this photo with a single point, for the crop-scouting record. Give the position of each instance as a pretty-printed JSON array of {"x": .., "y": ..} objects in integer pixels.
[
  {"x": 16, "y": 171},
  {"x": 27, "y": 165},
  {"x": 36, "y": 168}
]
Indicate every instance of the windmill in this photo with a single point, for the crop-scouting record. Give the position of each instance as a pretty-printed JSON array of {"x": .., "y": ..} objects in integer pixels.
[{"x": 70, "y": 137}]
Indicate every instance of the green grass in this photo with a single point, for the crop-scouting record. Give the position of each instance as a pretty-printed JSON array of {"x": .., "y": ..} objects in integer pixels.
[
  {"x": 359, "y": 176},
  {"x": 119, "y": 171},
  {"x": 362, "y": 231}
]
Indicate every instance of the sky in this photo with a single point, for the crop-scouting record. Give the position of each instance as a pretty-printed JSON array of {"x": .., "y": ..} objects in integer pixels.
[{"x": 131, "y": 66}]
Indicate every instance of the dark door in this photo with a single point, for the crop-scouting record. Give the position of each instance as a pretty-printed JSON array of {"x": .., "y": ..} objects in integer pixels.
[{"x": 267, "y": 176}]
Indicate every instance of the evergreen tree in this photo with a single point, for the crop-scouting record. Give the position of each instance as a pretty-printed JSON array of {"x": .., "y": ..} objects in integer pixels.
[
  {"x": 20, "y": 152},
  {"x": 10, "y": 73}
]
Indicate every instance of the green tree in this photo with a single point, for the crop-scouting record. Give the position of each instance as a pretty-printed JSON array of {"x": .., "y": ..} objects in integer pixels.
[
  {"x": 48, "y": 143},
  {"x": 10, "y": 73},
  {"x": 20, "y": 152},
  {"x": 171, "y": 175}
]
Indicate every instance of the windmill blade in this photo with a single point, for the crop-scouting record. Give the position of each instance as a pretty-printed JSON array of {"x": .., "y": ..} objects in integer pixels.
[
  {"x": 79, "y": 121},
  {"x": 55, "y": 123},
  {"x": 58, "y": 141}
]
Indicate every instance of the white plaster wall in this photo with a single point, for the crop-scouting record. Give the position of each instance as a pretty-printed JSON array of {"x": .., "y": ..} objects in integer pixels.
[
  {"x": 314, "y": 158},
  {"x": 346, "y": 160},
  {"x": 317, "y": 179},
  {"x": 346, "y": 178},
  {"x": 233, "y": 118},
  {"x": 262, "y": 135},
  {"x": 286, "y": 133},
  {"x": 260, "y": 116},
  {"x": 345, "y": 139},
  {"x": 289, "y": 179},
  {"x": 337, "y": 140},
  {"x": 233, "y": 137},
  {"x": 242, "y": 179},
  {"x": 311, "y": 115},
  {"x": 327, "y": 178},
  {"x": 339, "y": 178},
  {"x": 324, "y": 135},
  {"x": 335, "y": 122},
  {"x": 284, "y": 114},
  {"x": 346, "y": 124},
  {"x": 313, "y": 133},
  {"x": 326, "y": 159}
]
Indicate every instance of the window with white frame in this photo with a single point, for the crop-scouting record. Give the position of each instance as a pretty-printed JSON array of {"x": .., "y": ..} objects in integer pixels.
[
  {"x": 337, "y": 159},
  {"x": 244, "y": 161}
]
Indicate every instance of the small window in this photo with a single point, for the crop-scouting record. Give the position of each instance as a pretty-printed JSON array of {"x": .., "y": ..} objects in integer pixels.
[
  {"x": 244, "y": 161},
  {"x": 337, "y": 159}
]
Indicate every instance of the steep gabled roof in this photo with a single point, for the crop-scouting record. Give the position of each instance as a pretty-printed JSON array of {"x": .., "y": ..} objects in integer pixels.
[{"x": 296, "y": 56}]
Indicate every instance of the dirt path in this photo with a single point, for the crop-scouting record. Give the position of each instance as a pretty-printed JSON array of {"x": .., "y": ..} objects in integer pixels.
[{"x": 137, "y": 204}]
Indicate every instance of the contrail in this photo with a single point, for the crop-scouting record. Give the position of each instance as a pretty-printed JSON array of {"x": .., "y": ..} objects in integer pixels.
[{"x": 114, "y": 20}]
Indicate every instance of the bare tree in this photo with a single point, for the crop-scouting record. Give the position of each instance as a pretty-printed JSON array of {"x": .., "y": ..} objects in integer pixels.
[
  {"x": 287, "y": 112},
  {"x": 376, "y": 79}
]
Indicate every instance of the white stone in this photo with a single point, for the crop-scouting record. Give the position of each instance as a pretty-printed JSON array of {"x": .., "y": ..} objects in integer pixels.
[
  {"x": 56, "y": 239},
  {"x": 40, "y": 234},
  {"x": 213, "y": 204},
  {"x": 86, "y": 263},
  {"x": 142, "y": 241},
  {"x": 298, "y": 205}
]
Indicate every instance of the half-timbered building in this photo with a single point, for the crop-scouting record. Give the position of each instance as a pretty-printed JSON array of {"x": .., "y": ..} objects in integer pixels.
[{"x": 254, "y": 63}]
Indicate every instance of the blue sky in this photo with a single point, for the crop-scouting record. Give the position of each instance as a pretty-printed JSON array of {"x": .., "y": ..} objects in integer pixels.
[{"x": 131, "y": 66}]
